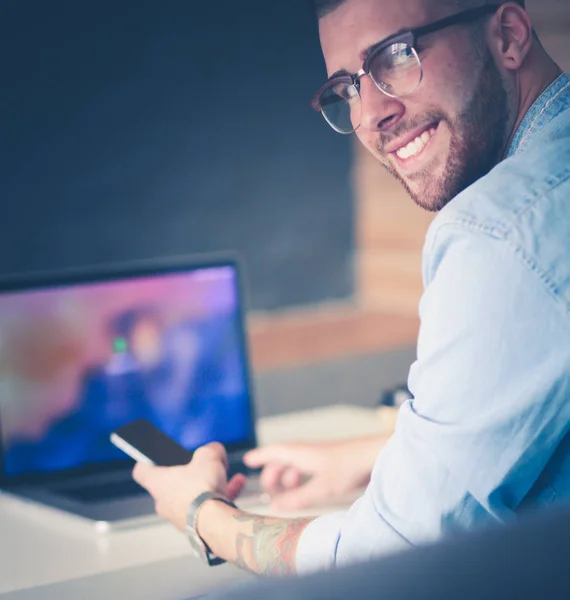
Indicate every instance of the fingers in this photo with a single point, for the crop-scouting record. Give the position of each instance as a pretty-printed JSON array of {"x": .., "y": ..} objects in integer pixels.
[
  {"x": 279, "y": 453},
  {"x": 270, "y": 478},
  {"x": 310, "y": 494},
  {"x": 235, "y": 486},
  {"x": 275, "y": 479},
  {"x": 145, "y": 474},
  {"x": 304, "y": 457},
  {"x": 291, "y": 478}
]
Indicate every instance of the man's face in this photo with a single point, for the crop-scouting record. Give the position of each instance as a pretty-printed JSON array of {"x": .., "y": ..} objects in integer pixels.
[{"x": 460, "y": 108}]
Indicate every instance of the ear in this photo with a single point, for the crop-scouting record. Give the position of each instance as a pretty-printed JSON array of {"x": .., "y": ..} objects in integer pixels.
[{"x": 511, "y": 35}]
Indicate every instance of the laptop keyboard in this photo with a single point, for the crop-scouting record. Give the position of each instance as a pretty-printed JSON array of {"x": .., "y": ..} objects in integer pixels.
[
  {"x": 127, "y": 488},
  {"x": 114, "y": 490}
]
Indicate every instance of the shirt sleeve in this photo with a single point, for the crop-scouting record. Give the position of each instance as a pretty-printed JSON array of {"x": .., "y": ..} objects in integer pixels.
[
  {"x": 490, "y": 386},
  {"x": 317, "y": 545}
]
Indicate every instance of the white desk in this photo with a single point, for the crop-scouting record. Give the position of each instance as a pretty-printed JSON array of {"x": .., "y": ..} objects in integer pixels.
[{"x": 39, "y": 547}]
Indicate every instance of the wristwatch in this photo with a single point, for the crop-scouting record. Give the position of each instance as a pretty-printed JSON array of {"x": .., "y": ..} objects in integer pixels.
[{"x": 197, "y": 544}]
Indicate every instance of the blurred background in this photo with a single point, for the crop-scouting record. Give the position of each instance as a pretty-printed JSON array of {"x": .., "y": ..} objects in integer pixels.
[{"x": 133, "y": 130}]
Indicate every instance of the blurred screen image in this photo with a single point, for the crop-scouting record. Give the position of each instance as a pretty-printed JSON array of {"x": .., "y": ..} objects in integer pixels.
[{"x": 76, "y": 362}]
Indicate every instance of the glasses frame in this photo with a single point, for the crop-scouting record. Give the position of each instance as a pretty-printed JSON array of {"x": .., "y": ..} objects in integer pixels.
[{"x": 408, "y": 37}]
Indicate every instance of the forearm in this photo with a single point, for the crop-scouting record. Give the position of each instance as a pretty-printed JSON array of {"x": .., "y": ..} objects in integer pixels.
[
  {"x": 369, "y": 447},
  {"x": 363, "y": 452},
  {"x": 262, "y": 545}
]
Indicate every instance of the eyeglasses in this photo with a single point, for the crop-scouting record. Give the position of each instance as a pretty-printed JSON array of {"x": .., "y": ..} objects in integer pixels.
[{"x": 393, "y": 65}]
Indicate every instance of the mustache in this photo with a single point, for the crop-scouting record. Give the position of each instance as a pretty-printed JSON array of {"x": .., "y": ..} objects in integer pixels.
[{"x": 405, "y": 127}]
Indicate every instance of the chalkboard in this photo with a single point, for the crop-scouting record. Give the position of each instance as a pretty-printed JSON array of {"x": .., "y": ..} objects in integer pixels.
[{"x": 136, "y": 129}]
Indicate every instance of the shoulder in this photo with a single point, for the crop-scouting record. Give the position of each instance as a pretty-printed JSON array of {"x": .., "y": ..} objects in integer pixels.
[{"x": 522, "y": 206}]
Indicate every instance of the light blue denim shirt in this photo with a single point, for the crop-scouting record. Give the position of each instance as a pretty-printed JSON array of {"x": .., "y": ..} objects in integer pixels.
[{"x": 487, "y": 433}]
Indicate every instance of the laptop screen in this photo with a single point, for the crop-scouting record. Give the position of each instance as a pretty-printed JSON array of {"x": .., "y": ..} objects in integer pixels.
[{"x": 79, "y": 360}]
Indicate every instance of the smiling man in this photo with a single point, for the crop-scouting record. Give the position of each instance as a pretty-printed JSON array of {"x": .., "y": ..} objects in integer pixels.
[{"x": 461, "y": 103}]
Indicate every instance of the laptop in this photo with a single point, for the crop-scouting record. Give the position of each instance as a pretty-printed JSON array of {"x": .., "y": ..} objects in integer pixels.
[{"x": 82, "y": 353}]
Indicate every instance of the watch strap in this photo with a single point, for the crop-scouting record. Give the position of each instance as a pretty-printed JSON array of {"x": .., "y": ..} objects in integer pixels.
[{"x": 192, "y": 519}]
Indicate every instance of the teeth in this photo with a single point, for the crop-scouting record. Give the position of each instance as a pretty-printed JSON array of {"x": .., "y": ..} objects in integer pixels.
[{"x": 415, "y": 146}]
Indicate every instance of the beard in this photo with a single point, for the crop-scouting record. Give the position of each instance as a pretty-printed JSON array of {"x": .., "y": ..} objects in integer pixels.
[{"x": 478, "y": 138}]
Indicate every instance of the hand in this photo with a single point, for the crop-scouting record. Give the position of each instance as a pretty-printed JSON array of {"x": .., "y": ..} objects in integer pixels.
[
  {"x": 175, "y": 488},
  {"x": 300, "y": 475}
]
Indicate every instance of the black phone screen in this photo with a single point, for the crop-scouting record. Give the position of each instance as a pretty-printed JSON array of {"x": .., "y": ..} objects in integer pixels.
[{"x": 150, "y": 441}]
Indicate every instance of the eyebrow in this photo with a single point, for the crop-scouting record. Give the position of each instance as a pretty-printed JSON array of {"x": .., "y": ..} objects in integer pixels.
[
  {"x": 339, "y": 73},
  {"x": 366, "y": 53}
]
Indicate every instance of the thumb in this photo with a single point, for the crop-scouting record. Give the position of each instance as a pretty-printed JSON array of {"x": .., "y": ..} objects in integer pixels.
[
  {"x": 235, "y": 486},
  {"x": 314, "y": 492},
  {"x": 144, "y": 473}
]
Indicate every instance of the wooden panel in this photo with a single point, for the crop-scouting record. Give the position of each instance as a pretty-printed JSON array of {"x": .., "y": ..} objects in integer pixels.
[
  {"x": 390, "y": 236},
  {"x": 317, "y": 334}
]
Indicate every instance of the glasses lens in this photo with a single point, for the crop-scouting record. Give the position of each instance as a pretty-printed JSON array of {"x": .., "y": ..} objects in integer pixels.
[
  {"x": 396, "y": 69},
  {"x": 340, "y": 105}
]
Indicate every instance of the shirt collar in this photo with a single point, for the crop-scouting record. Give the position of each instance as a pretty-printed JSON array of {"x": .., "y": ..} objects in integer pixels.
[{"x": 554, "y": 100}]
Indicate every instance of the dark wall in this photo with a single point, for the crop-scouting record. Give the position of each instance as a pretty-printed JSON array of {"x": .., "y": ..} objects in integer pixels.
[{"x": 135, "y": 128}]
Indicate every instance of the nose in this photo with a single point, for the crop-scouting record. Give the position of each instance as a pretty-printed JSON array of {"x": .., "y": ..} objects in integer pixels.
[{"x": 379, "y": 112}]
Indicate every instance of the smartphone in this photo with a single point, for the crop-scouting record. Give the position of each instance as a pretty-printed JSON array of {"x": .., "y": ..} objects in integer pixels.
[{"x": 144, "y": 442}]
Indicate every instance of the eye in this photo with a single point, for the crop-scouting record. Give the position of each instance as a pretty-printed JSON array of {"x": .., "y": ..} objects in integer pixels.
[
  {"x": 345, "y": 91},
  {"x": 400, "y": 55},
  {"x": 351, "y": 93},
  {"x": 396, "y": 69}
]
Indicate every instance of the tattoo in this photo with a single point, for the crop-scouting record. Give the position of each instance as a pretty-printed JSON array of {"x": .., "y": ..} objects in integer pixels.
[
  {"x": 267, "y": 545},
  {"x": 241, "y": 562}
]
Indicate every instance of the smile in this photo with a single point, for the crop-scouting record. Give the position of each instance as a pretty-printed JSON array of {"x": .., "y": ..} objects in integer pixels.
[
  {"x": 416, "y": 146},
  {"x": 412, "y": 152}
]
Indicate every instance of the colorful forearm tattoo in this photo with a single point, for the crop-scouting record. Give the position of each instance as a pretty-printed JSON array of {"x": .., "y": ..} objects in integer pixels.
[{"x": 266, "y": 545}]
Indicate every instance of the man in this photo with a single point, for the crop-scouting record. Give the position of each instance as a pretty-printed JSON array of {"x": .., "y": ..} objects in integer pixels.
[{"x": 473, "y": 117}]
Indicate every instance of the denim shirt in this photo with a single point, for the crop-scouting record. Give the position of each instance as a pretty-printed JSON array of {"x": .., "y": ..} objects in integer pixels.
[{"x": 486, "y": 435}]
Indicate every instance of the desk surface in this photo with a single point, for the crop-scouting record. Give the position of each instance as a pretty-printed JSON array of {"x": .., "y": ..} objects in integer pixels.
[{"x": 39, "y": 546}]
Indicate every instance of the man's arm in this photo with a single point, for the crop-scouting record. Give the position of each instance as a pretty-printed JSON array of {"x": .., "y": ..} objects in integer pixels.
[
  {"x": 261, "y": 545},
  {"x": 490, "y": 405},
  {"x": 336, "y": 469}
]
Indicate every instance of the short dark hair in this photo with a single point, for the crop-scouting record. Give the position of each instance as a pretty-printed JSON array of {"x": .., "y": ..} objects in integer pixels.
[
  {"x": 324, "y": 7},
  {"x": 467, "y": 4}
]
